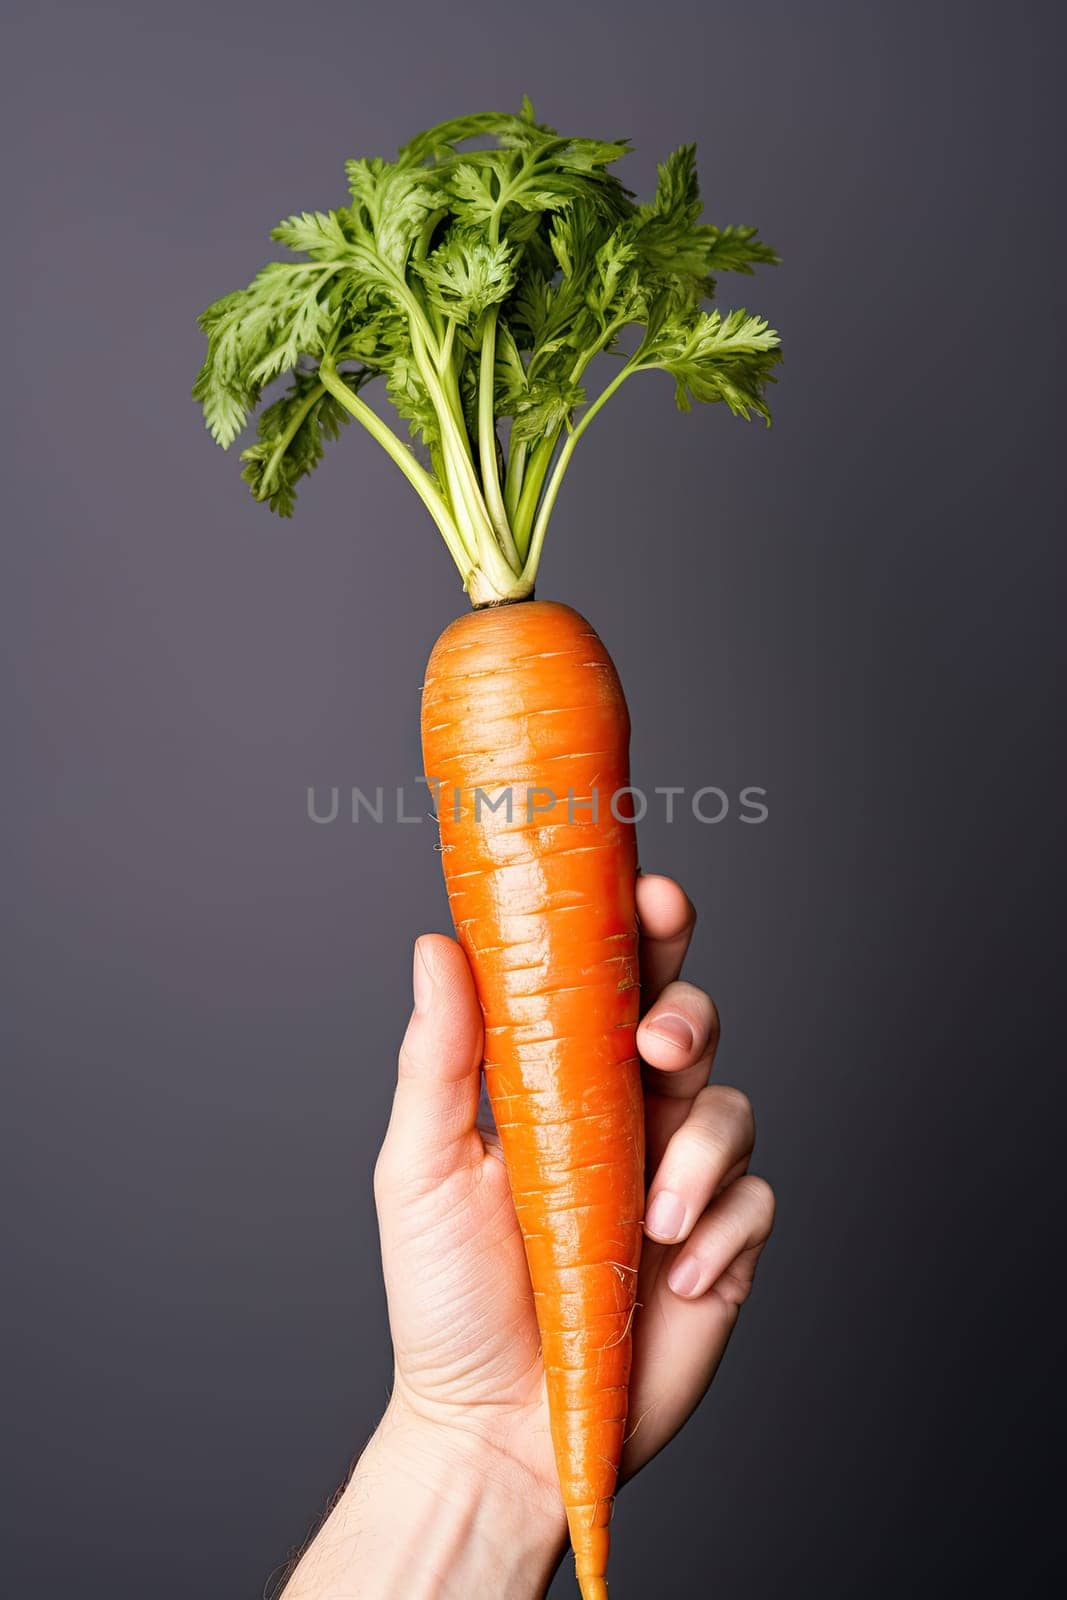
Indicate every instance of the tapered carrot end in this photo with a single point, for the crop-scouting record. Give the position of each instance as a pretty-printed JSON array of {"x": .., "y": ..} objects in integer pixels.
[{"x": 590, "y": 1552}]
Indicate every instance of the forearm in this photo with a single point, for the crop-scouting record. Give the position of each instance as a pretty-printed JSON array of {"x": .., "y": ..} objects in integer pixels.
[{"x": 431, "y": 1514}]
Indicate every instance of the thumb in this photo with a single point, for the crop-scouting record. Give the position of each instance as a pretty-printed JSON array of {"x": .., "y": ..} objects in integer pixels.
[{"x": 439, "y": 1071}]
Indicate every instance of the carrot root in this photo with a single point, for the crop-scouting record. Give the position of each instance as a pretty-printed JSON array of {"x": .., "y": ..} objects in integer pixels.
[
  {"x": 543, "y": 904},
  {"x": 590, "y": 1544}
]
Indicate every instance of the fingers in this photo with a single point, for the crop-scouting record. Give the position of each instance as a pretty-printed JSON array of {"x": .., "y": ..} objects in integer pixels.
[
  {"x": 667, "y": 918},
  {"x": 722, "y": 1251},
  {"x": 691, "y": 1294},
  {"x": 439, "y": 1073},
  {"x": 712, "y": 1146},
  {"x": 677, "y": 1039}
]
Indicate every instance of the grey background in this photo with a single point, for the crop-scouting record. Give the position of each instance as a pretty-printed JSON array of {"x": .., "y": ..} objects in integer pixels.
[{"x": 857, "y": 610}]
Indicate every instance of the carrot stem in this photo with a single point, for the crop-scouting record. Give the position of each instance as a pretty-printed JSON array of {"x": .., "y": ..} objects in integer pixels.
[
  {"x": 541, "y": 526},
  {"x": 538, "y": 464},
  {"x": 513, "y": 481},
  {"x": 487, "y": 441},
  {"x": 395, "y": 448}
]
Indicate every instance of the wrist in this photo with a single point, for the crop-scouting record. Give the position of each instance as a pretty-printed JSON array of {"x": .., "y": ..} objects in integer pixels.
[{"x": 434, "y": 1512}]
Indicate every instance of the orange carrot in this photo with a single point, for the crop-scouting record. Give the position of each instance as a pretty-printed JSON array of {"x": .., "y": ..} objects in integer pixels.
[{"x": 521, "y": 700}]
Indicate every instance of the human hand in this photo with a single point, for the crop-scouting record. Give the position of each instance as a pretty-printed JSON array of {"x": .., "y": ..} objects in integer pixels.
[{"x": 466, "y": 1433}]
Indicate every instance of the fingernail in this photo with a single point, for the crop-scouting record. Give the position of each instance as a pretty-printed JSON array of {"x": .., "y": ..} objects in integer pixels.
[
  {"x": 684, "y": 1277},
  {"x": 674, "y": 1029},
  {"x": 665, "y": 1216},
  {"x": 421, "y": 981}
]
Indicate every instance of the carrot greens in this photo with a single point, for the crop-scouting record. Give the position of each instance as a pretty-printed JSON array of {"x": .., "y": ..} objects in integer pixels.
[{"x": 479, "y": 284}]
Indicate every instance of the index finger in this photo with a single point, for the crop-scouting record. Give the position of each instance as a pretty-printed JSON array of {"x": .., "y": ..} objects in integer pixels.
[{"x": 667, "y": 918}]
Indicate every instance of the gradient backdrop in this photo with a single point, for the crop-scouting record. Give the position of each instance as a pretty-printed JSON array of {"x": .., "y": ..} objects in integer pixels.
[{"x": 856, "y": 610}]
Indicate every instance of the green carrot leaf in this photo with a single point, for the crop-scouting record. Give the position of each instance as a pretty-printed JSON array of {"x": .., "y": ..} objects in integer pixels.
[
  {"x": 466, "y": 275},
  {"x": 739, "y": 250},
  {"x": 716, "y": 358},
  {"x": 290, "y": 437},
  {"x": 317, "y": 233},
  {"x": 543, "y": 407},
  {"x": 254, "y": 334}
]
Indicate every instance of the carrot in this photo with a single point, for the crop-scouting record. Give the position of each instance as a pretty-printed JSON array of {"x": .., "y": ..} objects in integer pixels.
[
  {"x": 518, "y": 700},
  {"x": 482, "y": 285}
]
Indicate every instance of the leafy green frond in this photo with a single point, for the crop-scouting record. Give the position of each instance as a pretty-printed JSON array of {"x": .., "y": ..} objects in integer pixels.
[
  {"x": 589, "y": 155},
  {"x": 222, "y": 387},
  {"x": 290, "y": 438},
  {"x": 391, "y": 206},
  {"x": 739, "y": 250},
  {"x": 510, "y": 379},
  {"x": 474, "y": 191},
  {"x": 405, "y": 385},
  {"x": 442, "y": 140},
  {"x": 528, "y": 312},
  {"x": 479, "y": 274},
  {"x": 317, "y": 233},
  {"x": 674, "y": 244},
  {"x": 614, "y": 278},
  {"x": 258, "y": 332},
  {"x": 716, "y": 358},
  {"x": 677, "y": 187},
  {"x": 466, "y": 275},
  {"x": 544, "y": 407},
  {"x": 306, "y": 314},
  {"x": 383, "y": 344}
]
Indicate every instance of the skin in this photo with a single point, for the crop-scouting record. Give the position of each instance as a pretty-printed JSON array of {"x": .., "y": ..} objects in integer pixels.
[{"x": 457, "y": 1494}]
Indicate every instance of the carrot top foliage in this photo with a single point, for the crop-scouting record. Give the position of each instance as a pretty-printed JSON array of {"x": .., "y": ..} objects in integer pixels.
[{"x": 480, "y": 284}]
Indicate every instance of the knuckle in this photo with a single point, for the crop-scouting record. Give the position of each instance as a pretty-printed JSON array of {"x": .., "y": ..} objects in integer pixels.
[
  {"x": 735, "y": 1105},
  {"x": 734, "y": 1286},
  {"x": 689, "y": 914},
  {"x": 761, "y": 1198},
  {"x": 704, "y": 1141},
  {"x": 727, "y": 1110}
]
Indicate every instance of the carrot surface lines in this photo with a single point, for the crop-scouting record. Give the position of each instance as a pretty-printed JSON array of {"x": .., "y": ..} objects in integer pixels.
[{"x": 543, "y": 904}]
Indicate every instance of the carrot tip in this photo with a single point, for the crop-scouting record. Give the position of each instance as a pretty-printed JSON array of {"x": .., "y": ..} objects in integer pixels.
[{"x": 593, "y": 1586}]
